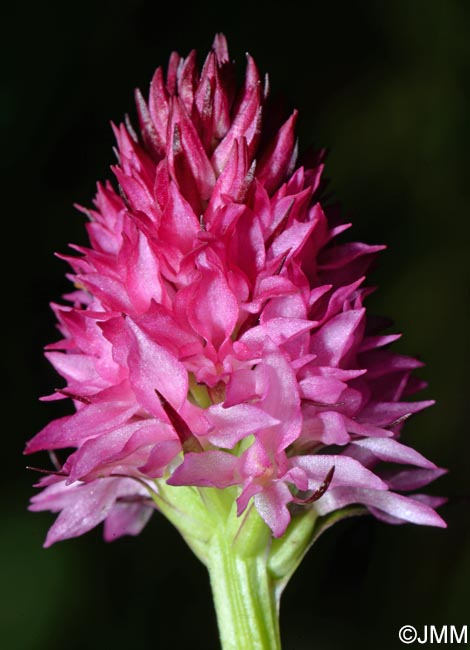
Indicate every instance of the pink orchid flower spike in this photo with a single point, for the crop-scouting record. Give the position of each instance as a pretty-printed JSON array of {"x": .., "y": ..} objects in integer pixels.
[{"x": 221, "y": 363}]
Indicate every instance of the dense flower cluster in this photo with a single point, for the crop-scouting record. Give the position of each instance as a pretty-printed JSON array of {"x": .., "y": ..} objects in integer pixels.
[{"x": 217, "y": 334}]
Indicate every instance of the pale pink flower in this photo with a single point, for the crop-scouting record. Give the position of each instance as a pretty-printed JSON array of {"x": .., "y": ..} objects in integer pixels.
[{"x": 217, "y": 336}]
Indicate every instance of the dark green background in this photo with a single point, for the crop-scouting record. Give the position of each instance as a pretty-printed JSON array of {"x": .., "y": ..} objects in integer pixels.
[{"x": 385, "y": 86}]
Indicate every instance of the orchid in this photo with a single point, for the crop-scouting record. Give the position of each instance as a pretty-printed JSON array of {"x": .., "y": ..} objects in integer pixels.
[{"x": 221, "y": 363}]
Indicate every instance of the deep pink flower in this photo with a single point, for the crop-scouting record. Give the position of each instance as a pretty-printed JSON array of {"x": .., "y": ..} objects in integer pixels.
[{"x": 217, "y": 335}]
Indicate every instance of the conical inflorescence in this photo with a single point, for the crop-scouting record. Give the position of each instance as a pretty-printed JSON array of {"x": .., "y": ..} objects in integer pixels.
[{"x": 217, "y": 335}]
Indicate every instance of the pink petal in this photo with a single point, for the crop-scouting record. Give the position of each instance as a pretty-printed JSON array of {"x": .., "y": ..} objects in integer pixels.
[
  {"x": 279, "y": 157},
  {"x": 86, "y": 423},
  {"x": 232, "y": 424},
  {"x": 83, "y": 506},
  {"x": 152, "y": 367},
  {"x": 104, "y": 451},
  {"x": 143, "y": 277},
  {"x": 337, "y": 337},
  {"x": 403, "y": 508},
  {"x": 281, "y": 398},
  {"x": 214, "y": 309},
  {"x": 393, "y": 451},
  {"x": 385, "y": 413},
  {"x": 322, "y": 389},
  {"x": 348, "y": 472},
  {"x": 206, "y": 469},
  {"x": 327, "y": 427},
  {"x": 411, "y": 479},
  {"x": 179, "y": 225},
  {"x": 246, "y": 122},
  {"x": 126, "y": 519},
  {"x": 161, "y": 455},
  {"x": 271, "y": 504}
]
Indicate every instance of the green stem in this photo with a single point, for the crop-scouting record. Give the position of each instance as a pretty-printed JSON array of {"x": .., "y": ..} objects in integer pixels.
[
  {"x": 248, "y": 569},
  {"x": 243, "y": 592}
]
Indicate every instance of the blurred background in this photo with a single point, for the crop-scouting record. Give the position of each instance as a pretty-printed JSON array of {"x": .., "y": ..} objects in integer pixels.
[{"x": 385, "y": 86}]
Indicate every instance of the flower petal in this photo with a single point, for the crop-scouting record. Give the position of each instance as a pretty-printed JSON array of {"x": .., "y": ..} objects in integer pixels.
[
  {"x": 348, "y": 472},
  {"x": 230, "y": 425},
  {"x": 403, "y": 508},
  {"x": 206, "y": 469},
  {"x": 271, "y": 504}
]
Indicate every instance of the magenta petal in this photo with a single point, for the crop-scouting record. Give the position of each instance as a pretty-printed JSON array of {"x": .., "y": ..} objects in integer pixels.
[
  {"x": 86, "y": 423},
  {"x": 334, "y": 340},
  {"x": 152, "y": 367},
  {"x": 277, "y": 160},
  {"x": 249, "y": 490},
  {"x": 206, "y": 469},
  {"x": 348, "y": 472},
  {"x": 73, "y": 367},
  {"x": 109, "y": 448},
  {"x": 327, "y": 427},
  {"x": 322, "y": 389},
  {"x": 143, "y": 277},
  {"x": 411, "y": 479},
  {"x": 214, "y": 308},
  {"x": 279, "y": 330},
  {"x": 429, "y": 501},
  {"x": 126, "y": 519},
  {"x": 197, "y": 162},
  {"x": 234, "y": 180},
  {"x": 385, "y": 413},
  {"x": 242, "y": 387},
  {"x": 271, "y": 504},
  {"x": 246, "y": 121},
  {"x": 281, "y": 398},
  {"x": 256, "y": 461},
  {"x": 161, "y": 455},
  {"x": 83, "y": 506},
  {"x": 404, "y": 508},
  {"x": 292, "y": 240},
  {"x": 232, "y": 424},
  {"x": 162, "y": 327},
  {"x": 393, "y": 451},
  {"x": 179, "y": 224}
]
